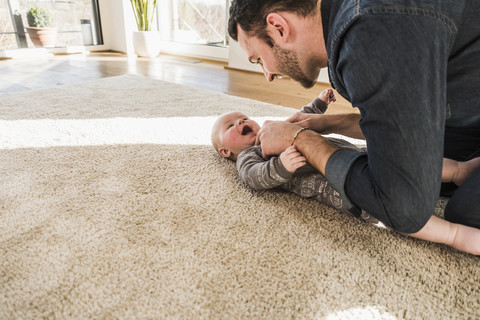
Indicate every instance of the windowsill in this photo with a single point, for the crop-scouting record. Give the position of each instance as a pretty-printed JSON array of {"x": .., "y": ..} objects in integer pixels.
[
  {"x": 215, "y": 53},
  {"x": 35, "y": 52},
  {"x": 195, "y": 50}
]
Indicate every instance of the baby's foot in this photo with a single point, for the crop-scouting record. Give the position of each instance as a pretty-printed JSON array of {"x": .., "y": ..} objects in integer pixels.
[
  {"x": 327, "y": 96},
  {"x": 465, "y": 170}
]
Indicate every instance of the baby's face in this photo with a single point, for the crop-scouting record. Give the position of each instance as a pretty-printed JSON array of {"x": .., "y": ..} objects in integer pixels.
[{"x": 237, "y": 132}]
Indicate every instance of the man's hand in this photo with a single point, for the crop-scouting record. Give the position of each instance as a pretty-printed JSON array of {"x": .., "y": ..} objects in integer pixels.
[
  {"x": 292, "y": 159},
  {"x": 275, "y": 137}
]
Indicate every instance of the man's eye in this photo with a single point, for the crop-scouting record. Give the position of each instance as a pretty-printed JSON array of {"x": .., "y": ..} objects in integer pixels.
[{"x": 229, "y": 126}]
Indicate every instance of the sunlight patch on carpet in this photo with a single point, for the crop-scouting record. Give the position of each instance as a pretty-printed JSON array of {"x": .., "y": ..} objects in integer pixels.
[
  {"x": 362, "y": 313},
  {"x": 93, "y": 132},
  {"x": 89, "y": 132}
]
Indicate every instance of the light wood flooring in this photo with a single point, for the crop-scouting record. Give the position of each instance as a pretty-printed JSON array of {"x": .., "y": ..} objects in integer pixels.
[{"x": 23, "y": 74}]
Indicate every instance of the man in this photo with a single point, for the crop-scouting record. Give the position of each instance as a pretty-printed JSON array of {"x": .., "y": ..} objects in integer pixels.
[{"x": 413, "y": 70}]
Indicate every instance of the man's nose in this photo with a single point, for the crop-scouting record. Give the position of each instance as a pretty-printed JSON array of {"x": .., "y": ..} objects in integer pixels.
[{"x": 270, "y": 76}]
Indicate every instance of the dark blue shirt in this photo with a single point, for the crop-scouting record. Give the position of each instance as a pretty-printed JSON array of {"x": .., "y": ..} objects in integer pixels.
[{"x": 413, "y": 70}]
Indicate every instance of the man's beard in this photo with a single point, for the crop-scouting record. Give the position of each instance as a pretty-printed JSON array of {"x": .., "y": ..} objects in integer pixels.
[{"x": 289, "y": 66}]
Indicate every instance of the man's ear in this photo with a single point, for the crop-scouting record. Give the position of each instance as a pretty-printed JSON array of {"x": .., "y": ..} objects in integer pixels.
[
  {"x": 224, "y": 152},
  {"x": 278, "y": 27}
]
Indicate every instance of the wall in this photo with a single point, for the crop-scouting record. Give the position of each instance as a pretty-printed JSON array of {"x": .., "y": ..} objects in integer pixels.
[{"x": 118, "y": 22}]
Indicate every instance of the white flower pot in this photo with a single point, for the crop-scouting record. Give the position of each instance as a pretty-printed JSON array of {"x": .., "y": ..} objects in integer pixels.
[{"x": 146, "y": 43}]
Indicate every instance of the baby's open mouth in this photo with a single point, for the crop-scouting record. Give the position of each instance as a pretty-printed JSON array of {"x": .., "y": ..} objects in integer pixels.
[{"x": 246, "y": 130}]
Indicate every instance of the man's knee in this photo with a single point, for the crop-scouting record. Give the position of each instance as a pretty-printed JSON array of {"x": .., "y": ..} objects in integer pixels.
[{"x": 464, "y": 206}]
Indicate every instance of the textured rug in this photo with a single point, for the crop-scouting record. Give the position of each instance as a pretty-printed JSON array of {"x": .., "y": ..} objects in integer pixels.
[{"x": 113, "y": 205}]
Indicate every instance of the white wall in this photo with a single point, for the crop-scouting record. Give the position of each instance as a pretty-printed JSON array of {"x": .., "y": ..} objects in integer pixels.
[{"x": 118, "y": 22}]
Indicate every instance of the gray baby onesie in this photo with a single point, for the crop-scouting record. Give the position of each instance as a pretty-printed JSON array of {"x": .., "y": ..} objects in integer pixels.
[{"x": 307, "y": 182}]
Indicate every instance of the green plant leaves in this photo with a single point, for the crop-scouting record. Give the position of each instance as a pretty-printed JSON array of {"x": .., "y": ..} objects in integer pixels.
[
  {"x": 39, "y": 17},
  {"x": 144, "y": 11}
]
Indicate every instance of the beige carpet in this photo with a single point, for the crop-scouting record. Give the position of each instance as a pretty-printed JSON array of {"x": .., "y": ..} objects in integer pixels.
[{"x": 113, "y": 205}]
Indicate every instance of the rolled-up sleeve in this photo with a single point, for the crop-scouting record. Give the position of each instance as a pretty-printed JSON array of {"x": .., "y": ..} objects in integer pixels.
[{"x": 337, "y": 175}]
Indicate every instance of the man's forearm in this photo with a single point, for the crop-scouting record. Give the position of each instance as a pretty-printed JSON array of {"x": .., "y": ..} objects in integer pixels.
[
  {"x": 315, "y": 148},
  {"x": 437, "y": 230},
  {"x": 458, "y": 236},
  {"x": 344, "y": 124}
]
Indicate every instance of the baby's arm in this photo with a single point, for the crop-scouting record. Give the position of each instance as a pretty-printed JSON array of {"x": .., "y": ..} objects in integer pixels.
[
  {"x": 327, "y": 96},
  {"x": 458, "y": 236},
  {"x": 458, "y": 171},
  {"x": 261, "y": 174},
  {"x": 320, "y": 104}
]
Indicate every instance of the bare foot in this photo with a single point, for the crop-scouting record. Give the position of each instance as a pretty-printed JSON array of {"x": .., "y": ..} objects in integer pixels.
[{"x": 465, "y": 170}]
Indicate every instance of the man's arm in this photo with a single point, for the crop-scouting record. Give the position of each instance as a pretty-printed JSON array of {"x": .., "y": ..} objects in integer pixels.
[
  {"x": 313, "y": 116},
  {"x": 316, "y": 149},
  {"x": 276, "y": 136},
  {"x": 402, "y": 100},
  {"x": 460, "y": 237},
  {"x": 344, "y": 124}
]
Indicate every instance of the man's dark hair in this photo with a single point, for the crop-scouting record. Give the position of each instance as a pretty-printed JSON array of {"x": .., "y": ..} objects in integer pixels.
[{"x": 251, "y": 15}]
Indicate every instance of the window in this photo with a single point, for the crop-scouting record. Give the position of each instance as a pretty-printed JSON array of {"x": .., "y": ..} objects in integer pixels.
[
  {"x": 76, "y": 22},
  {"x": 191, "y": 24}
]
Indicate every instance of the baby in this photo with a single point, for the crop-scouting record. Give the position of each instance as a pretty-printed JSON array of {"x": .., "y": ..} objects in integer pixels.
[{"x": 234, "y": 136}]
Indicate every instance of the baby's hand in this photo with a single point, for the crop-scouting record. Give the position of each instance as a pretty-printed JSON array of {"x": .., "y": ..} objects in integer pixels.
[
  {"x": 327, "y": 96},
  {"x": 292, "y": 159}
]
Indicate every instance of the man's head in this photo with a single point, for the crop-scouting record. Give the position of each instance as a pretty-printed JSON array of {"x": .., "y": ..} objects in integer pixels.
[
  {"x": 232, "y": 133},
  {"x": 274, "y": 35},
  {"x": 251, "y": 15}
]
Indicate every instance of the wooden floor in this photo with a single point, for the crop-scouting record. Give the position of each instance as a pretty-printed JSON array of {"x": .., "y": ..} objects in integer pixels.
[{"x": 17, "y": 75}]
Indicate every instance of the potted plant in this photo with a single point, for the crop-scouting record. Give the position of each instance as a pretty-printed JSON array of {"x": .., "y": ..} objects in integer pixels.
[
  {"x": 39, "y": 27},
  {"x": 145, "y": 41}
]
